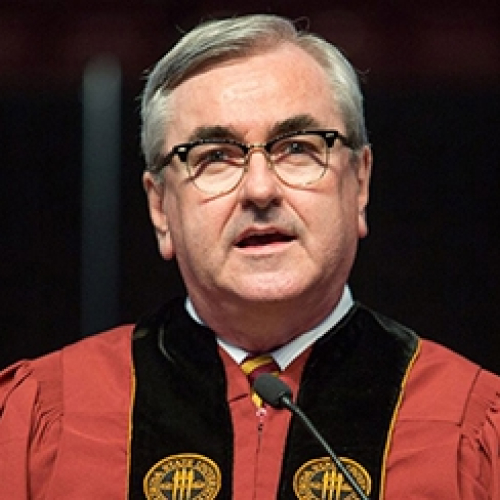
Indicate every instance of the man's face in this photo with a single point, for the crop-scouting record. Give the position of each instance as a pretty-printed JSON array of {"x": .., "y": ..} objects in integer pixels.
[{"x": 263, "y": 242}]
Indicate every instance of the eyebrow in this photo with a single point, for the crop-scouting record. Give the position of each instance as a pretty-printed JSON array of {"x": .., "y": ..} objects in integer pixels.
[
  {"x": 292, "y": 124},
  {"x": 211, "y": 132}
]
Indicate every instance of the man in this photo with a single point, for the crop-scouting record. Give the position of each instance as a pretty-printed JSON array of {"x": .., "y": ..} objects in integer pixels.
[{"x": 257, "y": 179}]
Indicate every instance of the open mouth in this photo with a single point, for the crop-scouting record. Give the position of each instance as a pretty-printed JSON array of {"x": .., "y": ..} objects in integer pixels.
[{"x": 259, "y": 240}]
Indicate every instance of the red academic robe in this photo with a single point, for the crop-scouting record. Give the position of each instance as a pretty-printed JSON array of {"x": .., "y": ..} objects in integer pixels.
[{"x": 65, "y": 427}]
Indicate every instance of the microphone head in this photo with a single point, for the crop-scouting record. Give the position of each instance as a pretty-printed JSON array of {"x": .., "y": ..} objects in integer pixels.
[{"x": 272, "y": 390}]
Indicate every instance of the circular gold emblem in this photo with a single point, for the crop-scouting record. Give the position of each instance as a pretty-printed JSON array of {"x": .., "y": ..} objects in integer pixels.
[
  {"x": 183, "y": 477},
  {"x": 320, "y": 478}
]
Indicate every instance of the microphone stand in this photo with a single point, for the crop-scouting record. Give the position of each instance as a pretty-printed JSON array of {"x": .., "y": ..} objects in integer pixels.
[
  {"x": 275, "y": 392},
  {"x": 287, "y": 403}
]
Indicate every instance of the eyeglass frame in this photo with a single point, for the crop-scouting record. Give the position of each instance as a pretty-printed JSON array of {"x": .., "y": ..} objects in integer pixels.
[{"x": 182, "y": 150}]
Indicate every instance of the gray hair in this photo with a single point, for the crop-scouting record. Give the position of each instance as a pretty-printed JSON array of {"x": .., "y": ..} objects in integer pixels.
[{"x": 216, "y": 41}]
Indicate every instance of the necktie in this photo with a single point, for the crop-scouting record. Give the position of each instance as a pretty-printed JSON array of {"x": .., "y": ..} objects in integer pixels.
[{"x": 253, "y": 366}]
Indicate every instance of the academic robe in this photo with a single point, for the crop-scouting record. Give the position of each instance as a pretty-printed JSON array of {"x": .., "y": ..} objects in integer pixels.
[{"x": 66, "y": 425}]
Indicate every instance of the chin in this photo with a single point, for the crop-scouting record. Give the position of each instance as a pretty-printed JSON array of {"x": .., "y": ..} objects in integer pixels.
[{"x": 270, "y": 291}]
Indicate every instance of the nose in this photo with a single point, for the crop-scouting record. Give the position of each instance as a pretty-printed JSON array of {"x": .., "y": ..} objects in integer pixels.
[{"x": 260, "y": 185}]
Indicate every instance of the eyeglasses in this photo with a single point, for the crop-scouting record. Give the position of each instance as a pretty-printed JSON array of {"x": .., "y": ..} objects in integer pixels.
[{"x": 216, "y": 166}]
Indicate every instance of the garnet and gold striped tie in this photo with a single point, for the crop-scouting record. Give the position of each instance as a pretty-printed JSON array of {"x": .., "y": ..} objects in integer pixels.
[{"x": 253, "y": 366}]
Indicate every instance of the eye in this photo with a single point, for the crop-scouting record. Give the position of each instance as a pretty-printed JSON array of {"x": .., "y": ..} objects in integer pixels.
[
  {"x": 306, "y": 145},
  {"x": 214, "y": 155},
  {"x": 206, "y": 155}
]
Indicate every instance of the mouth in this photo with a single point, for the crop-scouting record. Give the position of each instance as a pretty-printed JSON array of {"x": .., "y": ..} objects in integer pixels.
[{"x": 263, "y": 238}]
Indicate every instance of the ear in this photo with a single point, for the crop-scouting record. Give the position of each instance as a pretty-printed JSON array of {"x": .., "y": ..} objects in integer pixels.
[
  {"x": 155, "y": 192},
  {"x": 364, "y": 169}
]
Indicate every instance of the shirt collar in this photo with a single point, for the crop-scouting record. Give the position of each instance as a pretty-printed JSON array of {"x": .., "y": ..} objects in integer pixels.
[{"x": 284, "y": 355}]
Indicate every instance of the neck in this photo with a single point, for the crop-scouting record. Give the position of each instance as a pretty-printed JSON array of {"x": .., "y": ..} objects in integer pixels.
[{"x": 263, "y": 326}]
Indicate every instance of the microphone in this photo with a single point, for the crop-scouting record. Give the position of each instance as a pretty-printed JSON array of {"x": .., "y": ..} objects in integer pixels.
[{"x": 276, "y": 393}]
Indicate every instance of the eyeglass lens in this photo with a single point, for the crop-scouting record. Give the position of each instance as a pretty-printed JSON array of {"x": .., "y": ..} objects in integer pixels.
[{"x": 297, "y": 160}]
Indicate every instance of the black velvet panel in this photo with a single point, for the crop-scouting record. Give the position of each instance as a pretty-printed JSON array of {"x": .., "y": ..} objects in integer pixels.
[
  {"x": 350, "y": 387},
  {"x": 349, "y": 390},
  {"x": 180, "y": 403}
]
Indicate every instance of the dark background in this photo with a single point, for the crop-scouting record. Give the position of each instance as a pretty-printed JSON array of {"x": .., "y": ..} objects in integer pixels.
[{"x": 432, "y": 85}]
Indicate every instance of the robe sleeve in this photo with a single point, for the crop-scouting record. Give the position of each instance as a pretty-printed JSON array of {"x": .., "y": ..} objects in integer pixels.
[
  {"x": 479, "y": 450},
  {"x": 446, "y": 441},
  {"x": 30, "y": 424}
]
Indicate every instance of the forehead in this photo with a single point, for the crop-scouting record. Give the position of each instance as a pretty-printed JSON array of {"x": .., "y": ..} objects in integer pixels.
[{"x": 253, "y": 93}]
